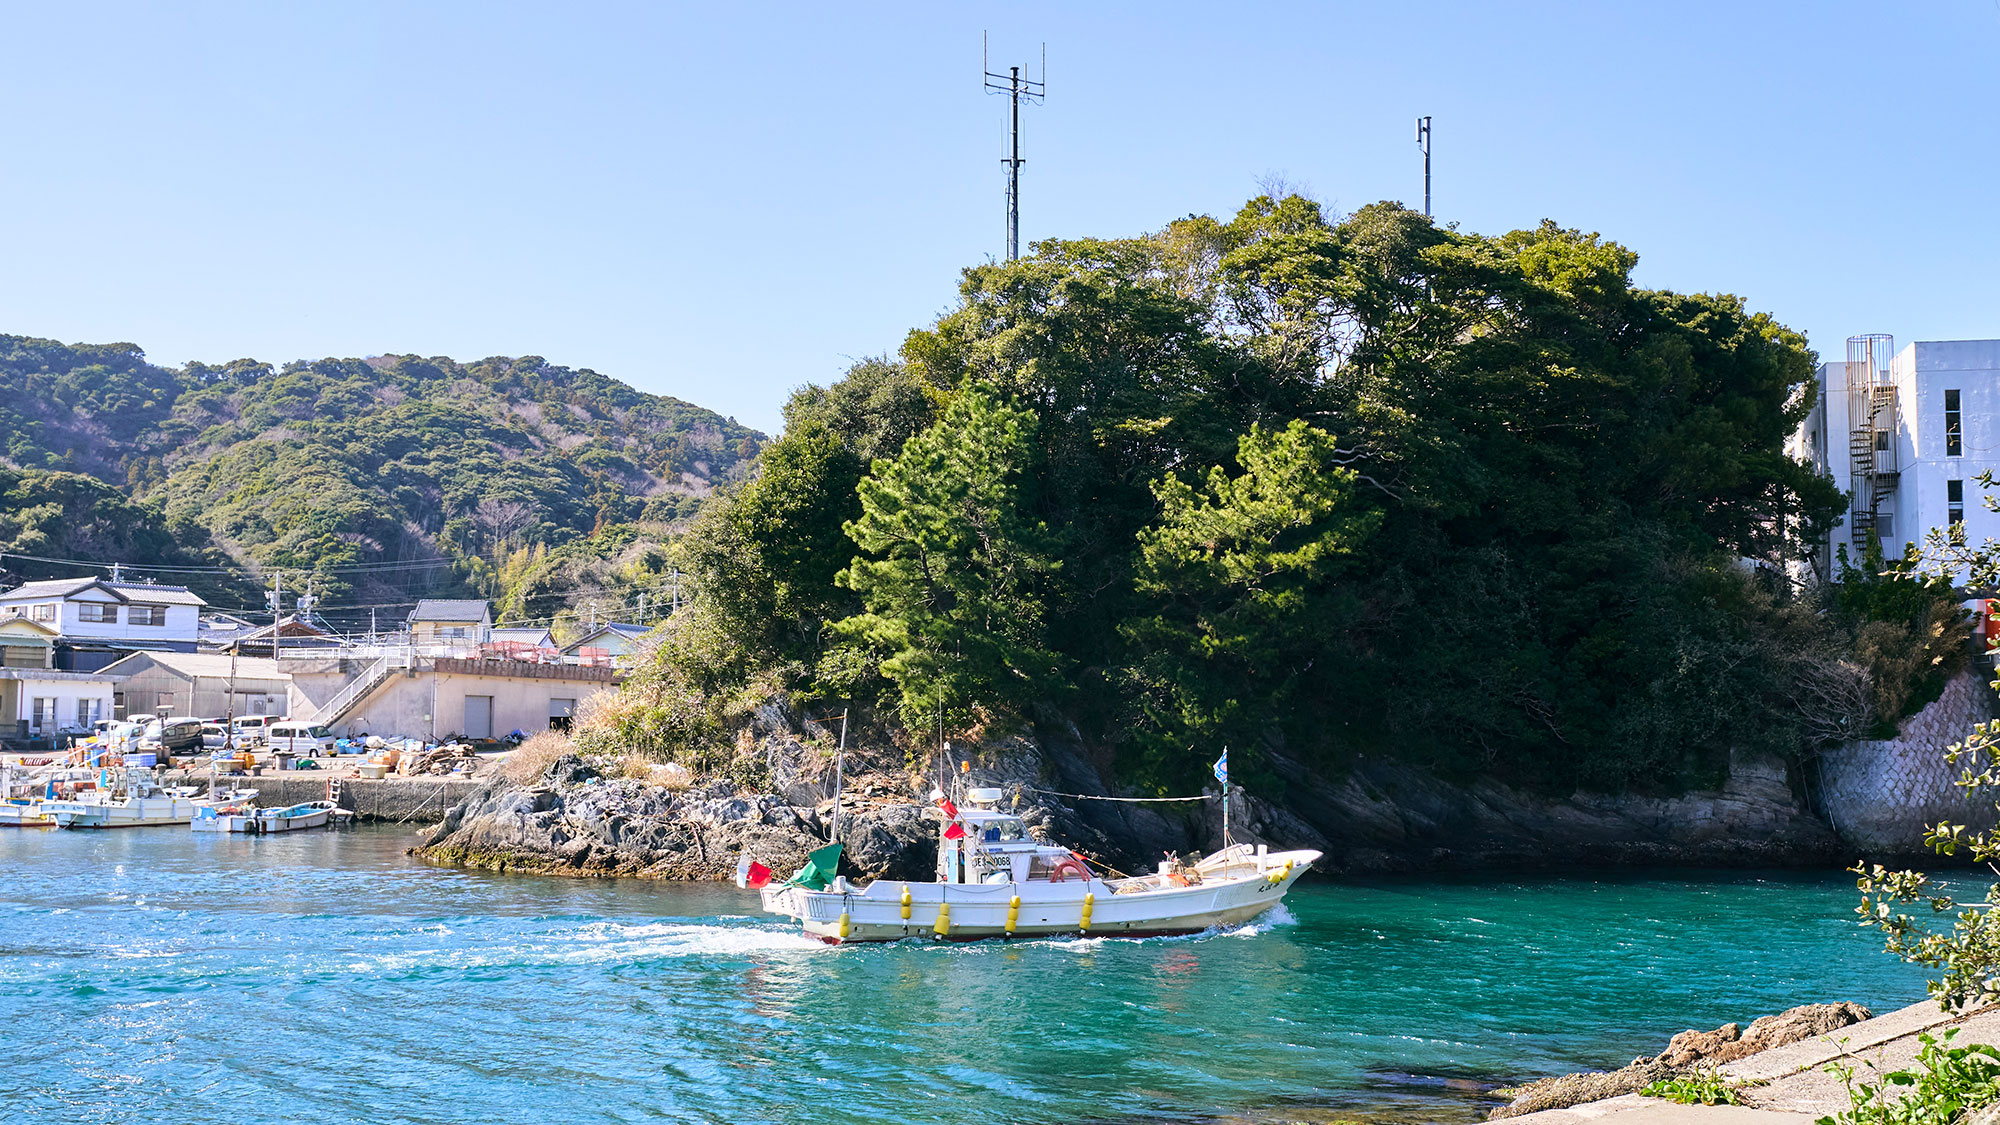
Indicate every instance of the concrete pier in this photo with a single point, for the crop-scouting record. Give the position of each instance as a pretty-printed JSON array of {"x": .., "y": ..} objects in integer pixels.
[{"x": 416, "y": 800}]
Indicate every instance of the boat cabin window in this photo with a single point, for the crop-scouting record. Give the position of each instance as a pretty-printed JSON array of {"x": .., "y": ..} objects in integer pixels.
[{"x": 1004, "y": 831}]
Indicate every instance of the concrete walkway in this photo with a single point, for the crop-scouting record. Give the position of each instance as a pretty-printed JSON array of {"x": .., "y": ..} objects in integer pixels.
[{"x": 1796, "y": 1089}]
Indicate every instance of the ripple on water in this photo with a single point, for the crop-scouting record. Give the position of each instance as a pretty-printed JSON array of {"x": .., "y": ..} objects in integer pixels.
[{"x": 204, "y": 979}]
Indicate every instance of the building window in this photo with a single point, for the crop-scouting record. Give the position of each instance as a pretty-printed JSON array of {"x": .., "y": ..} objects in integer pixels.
[
  {"x": 44, "y": 710},
  {"x": 561, "y": 714},
  {"x": 88, "y": 711},
  {"x": 1881, "y": 441},
  {"x": 43, "y": 611},
  {"x": 148, "y": 615},
  {"x": 1885, "y": 528},
  {"x": 1954, "y": 495},
  {"x": 1954, "y": 444},
  {"x": 97, "y": 613},
  {"x": 21, "y": 656}
]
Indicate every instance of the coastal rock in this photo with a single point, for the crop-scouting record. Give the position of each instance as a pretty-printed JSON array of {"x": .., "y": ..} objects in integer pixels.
[
  {"x": 1369, "y": 816},
  {"x": 1688, "y": 1050}
]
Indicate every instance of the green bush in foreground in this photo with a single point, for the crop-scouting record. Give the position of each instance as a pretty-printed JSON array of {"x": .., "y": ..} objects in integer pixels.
[
  {"x": 1704, "y": 1085},
  {"x": 1949, "y": 1083}
]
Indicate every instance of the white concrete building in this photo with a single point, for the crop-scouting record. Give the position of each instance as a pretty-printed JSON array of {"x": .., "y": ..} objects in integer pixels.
[
  {"x": 36, "y": 699},
  {"x": 441, "y": 696},
  {"x": 98, "y": 621},
  {"x": 1905, "y": 435}
]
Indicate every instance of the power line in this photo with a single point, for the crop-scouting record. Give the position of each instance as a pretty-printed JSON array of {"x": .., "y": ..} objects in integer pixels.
[{"x": 241, "y": 568}]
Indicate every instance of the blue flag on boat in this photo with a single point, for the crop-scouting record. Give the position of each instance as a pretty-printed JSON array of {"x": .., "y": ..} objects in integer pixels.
[{"x": 1222, "y": 767}]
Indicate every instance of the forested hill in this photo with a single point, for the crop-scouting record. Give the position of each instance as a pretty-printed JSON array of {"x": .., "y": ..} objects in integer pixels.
[{"x": 526, "y": 477}]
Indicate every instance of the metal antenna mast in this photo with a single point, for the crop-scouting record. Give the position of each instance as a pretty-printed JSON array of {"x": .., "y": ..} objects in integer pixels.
[
  {"x": 1424, "y": 142},
  {"x": 1017, "y": 89}
]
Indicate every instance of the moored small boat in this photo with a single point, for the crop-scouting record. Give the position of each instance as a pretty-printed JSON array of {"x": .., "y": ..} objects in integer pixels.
[{"x": 255, "y": 821}]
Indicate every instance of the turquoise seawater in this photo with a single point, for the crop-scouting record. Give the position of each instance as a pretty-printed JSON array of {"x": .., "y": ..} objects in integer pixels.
[{"x": 159, "y": 976}]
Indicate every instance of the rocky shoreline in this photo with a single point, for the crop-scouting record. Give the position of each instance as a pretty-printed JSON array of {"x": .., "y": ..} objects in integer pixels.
[
  {"x": 577, "y": 817},
  {"x": 1687, "y": 1051}
]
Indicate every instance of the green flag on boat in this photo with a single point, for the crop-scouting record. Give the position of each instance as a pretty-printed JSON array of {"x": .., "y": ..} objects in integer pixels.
[{"x": 819, "y": 869}]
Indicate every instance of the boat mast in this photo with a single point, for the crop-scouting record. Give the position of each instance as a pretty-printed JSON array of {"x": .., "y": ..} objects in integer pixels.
[{"x": 839, "y": 762}]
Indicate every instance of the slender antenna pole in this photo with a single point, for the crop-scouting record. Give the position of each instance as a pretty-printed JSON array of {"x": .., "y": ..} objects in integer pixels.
[
  {"x": 1017, "y": 89},
  {"x": 839, "y": 764},
  {"x": 1424, "y": 142}
]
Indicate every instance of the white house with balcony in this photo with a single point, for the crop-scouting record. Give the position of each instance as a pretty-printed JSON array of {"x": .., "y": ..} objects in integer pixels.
[
  {"x": 36, "y": 699},
  {"x": 98, "y": 620}
]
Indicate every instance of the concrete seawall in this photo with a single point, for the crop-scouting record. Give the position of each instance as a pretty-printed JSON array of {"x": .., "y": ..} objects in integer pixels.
[
  {"x": 1880, "y": 796},
  {"x": 417, "y": 800}
]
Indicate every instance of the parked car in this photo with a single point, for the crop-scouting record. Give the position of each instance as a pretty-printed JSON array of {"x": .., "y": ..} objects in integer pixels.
[
  {"x": 179, "y": 734},
  {"x": 304, "y": 739},
  {"x": 214, "y": 736}
]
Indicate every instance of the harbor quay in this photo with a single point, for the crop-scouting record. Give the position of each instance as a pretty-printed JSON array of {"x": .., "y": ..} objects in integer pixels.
[{"x": 387, "y": 799}]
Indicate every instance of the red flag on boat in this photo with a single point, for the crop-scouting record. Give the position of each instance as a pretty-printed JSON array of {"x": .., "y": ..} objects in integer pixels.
[
  {"x": 751, "y": 874},
  {"x": 955, "y": 832},
  {"x": 950, "y": 810}
]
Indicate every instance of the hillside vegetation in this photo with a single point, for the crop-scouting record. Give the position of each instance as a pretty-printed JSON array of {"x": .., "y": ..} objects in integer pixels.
[
  {"x": 1298, "y": 485},
  {"x": 531, "y": 480}
]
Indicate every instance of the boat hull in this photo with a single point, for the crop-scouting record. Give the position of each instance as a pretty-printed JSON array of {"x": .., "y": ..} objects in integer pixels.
[
  {"x": 140, "y": 812},
  {"x": 24, "y": 816},
  {"x": 260, "y": 821},
  {"x": 981, "y": 911}
]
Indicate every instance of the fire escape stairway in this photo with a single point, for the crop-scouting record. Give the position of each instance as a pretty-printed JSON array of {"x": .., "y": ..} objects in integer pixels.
[
  {"x": 1872, "y": 484},
  {"x": 371, "y": 677}
]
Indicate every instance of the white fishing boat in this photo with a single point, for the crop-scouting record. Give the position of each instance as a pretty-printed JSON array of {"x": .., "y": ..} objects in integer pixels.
[
  {"x": 995, "y": 881},
  {"x": 24, "y": 791},
  {"x": 134, "y": 798},
  {"x": 255, "y": 821}
]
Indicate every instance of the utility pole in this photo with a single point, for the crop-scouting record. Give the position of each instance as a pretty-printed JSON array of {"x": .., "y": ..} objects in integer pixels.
[
  {"x": 115, "y": 569},
  {"x": 1017, "y": 89},
  {"x": 277, "y": 601},
  {"x": 1424, "y": 142}
]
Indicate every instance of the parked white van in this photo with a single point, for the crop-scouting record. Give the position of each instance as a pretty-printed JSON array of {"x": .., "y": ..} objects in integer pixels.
[
  {"x": 303, "y": 739},
  {"x": 246, "y": 732}
]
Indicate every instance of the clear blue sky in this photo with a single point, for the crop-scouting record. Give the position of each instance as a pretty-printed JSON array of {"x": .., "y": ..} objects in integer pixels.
[{"x": 724, "y": 202}]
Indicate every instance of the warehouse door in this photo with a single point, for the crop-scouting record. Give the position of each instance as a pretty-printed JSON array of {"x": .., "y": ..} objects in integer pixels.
[
  {"x": 479, "y": 716},
  {"x": 561, "y": 711}
]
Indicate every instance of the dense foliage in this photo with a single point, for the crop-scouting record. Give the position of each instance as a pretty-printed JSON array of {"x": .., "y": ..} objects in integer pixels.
[
  {"x": 45, "y": 514},
  {"x": 1299, "y": 486},
  {"x": 316, "y": 467}
]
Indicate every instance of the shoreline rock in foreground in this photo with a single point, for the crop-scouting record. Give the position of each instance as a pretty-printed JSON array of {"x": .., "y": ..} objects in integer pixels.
[{"x": 1685, "y": 1051}]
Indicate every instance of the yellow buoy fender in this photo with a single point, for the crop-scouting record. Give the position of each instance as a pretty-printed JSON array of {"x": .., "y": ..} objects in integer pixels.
[
  {"x": 845, "y": 926},
  {"x": 1089, "y": 900},
  {"x": 943, "y": 925},
  {"x": 906, "y": 902},
  {"x": 1281, "y": 874},
  {"x": 1013, "y": 913}
]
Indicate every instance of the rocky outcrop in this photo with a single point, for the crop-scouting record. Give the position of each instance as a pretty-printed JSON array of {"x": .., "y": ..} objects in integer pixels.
[
  {"x": 1377, "y": 816},
  {"x": 1687, "y": 1051},
  {"x": 1386, "y": 816}
]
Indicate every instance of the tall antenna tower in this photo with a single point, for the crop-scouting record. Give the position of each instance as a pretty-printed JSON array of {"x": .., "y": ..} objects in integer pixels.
[
  {"x": 1017, "y": 89},
  {"x": 1424, "y": 142}
]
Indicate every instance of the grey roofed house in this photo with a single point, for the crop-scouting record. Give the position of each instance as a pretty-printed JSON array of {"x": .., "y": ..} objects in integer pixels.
[
  {"x": 451, "y": 620},
  {"x": 612, "y": 642},
  {"x": 149, "y": 592},
  {"x": 525, "y": 635},
  {"x": 100, "y": 620},
  {"x": 451, "y": 610}
]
